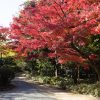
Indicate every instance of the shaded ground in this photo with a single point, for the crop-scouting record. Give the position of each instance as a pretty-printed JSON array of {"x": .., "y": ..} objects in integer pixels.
[{"x": 26, "y": 90}]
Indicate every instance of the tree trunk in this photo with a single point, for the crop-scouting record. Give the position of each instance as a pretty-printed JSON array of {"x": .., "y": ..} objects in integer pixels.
[
  {"x": 97, "y": 69},
  {"x": 78, "y": 73},
  {"x": 56, "y": 71},
  {"x": 75, "y": 75},
  {"x": 56, "y": 65},
  {"x": 95, "y": 66}
]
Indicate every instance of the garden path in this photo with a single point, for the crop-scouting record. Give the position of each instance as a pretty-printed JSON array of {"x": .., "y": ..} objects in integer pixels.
[{"x": 26, "y": 90}]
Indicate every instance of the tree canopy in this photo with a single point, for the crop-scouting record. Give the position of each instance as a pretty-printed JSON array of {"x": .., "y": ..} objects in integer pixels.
[{"x": 64, "y": 26}]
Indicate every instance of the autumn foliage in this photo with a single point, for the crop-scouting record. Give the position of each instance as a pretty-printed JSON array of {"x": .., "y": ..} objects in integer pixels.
[{"x": 62, "y": 26}]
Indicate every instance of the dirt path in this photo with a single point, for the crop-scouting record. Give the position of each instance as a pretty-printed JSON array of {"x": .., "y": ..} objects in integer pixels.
[{"x": 26, "y": 90}]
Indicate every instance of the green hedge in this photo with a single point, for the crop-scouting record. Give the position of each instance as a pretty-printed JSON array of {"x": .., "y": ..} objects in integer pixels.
[
  {"x": 93, "y": 89},
  {"x": 54, "y": 81}
]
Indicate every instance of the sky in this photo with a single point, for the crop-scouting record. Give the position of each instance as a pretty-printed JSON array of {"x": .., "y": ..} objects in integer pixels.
[{"x": 8, "y": 9}]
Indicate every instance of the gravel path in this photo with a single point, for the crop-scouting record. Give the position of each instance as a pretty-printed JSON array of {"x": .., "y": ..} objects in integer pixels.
[{"x": 26, "y": 90}]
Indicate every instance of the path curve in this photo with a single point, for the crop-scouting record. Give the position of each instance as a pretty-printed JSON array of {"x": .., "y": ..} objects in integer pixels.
[{"x": 27, "y": 90}]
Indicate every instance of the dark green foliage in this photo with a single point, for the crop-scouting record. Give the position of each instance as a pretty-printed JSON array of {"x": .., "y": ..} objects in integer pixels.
[
  {"x": 94, "y": 45},
  {"x": 41, "y": 67},
  {"x": 6, "y": 75},
  {"x": 11, "y": 63},
  {"x": 45, "y": 68},
  {"x": 30, "y": 66},
  {"x": 8, "y": 69}
]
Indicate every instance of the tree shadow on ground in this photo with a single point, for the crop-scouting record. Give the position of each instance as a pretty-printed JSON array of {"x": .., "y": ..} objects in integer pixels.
[{"x": 26, "y": 91}]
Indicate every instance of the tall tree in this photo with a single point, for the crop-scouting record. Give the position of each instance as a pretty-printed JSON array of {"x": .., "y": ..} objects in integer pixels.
[{"x": 63, "y": 26}]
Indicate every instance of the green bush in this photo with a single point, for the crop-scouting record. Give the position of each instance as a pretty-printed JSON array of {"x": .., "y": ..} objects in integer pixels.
[
  {"x": 8, "y": 69},
  {"x": 6, "y": 75},
  {"x": 93, "y": 89},
  {"x": 16, "y": 69},
  {"x": 20, "y": 65},
  {"x": 44, "y": 67},
  {"x": 47, "y": 80},
  {"x": 58, "y": 81},
  {"x": 62, "y": 83}
]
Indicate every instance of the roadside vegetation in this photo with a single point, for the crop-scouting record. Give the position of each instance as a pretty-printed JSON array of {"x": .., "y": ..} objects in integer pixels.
[{"x": 55, "y": 43}]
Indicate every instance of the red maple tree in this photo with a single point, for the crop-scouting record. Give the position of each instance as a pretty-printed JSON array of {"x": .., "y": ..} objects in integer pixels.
[{"x": 62, "y": 26}]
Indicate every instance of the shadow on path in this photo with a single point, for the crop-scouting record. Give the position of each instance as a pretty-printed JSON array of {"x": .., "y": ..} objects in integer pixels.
[{"x": 25, "y": 91}]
